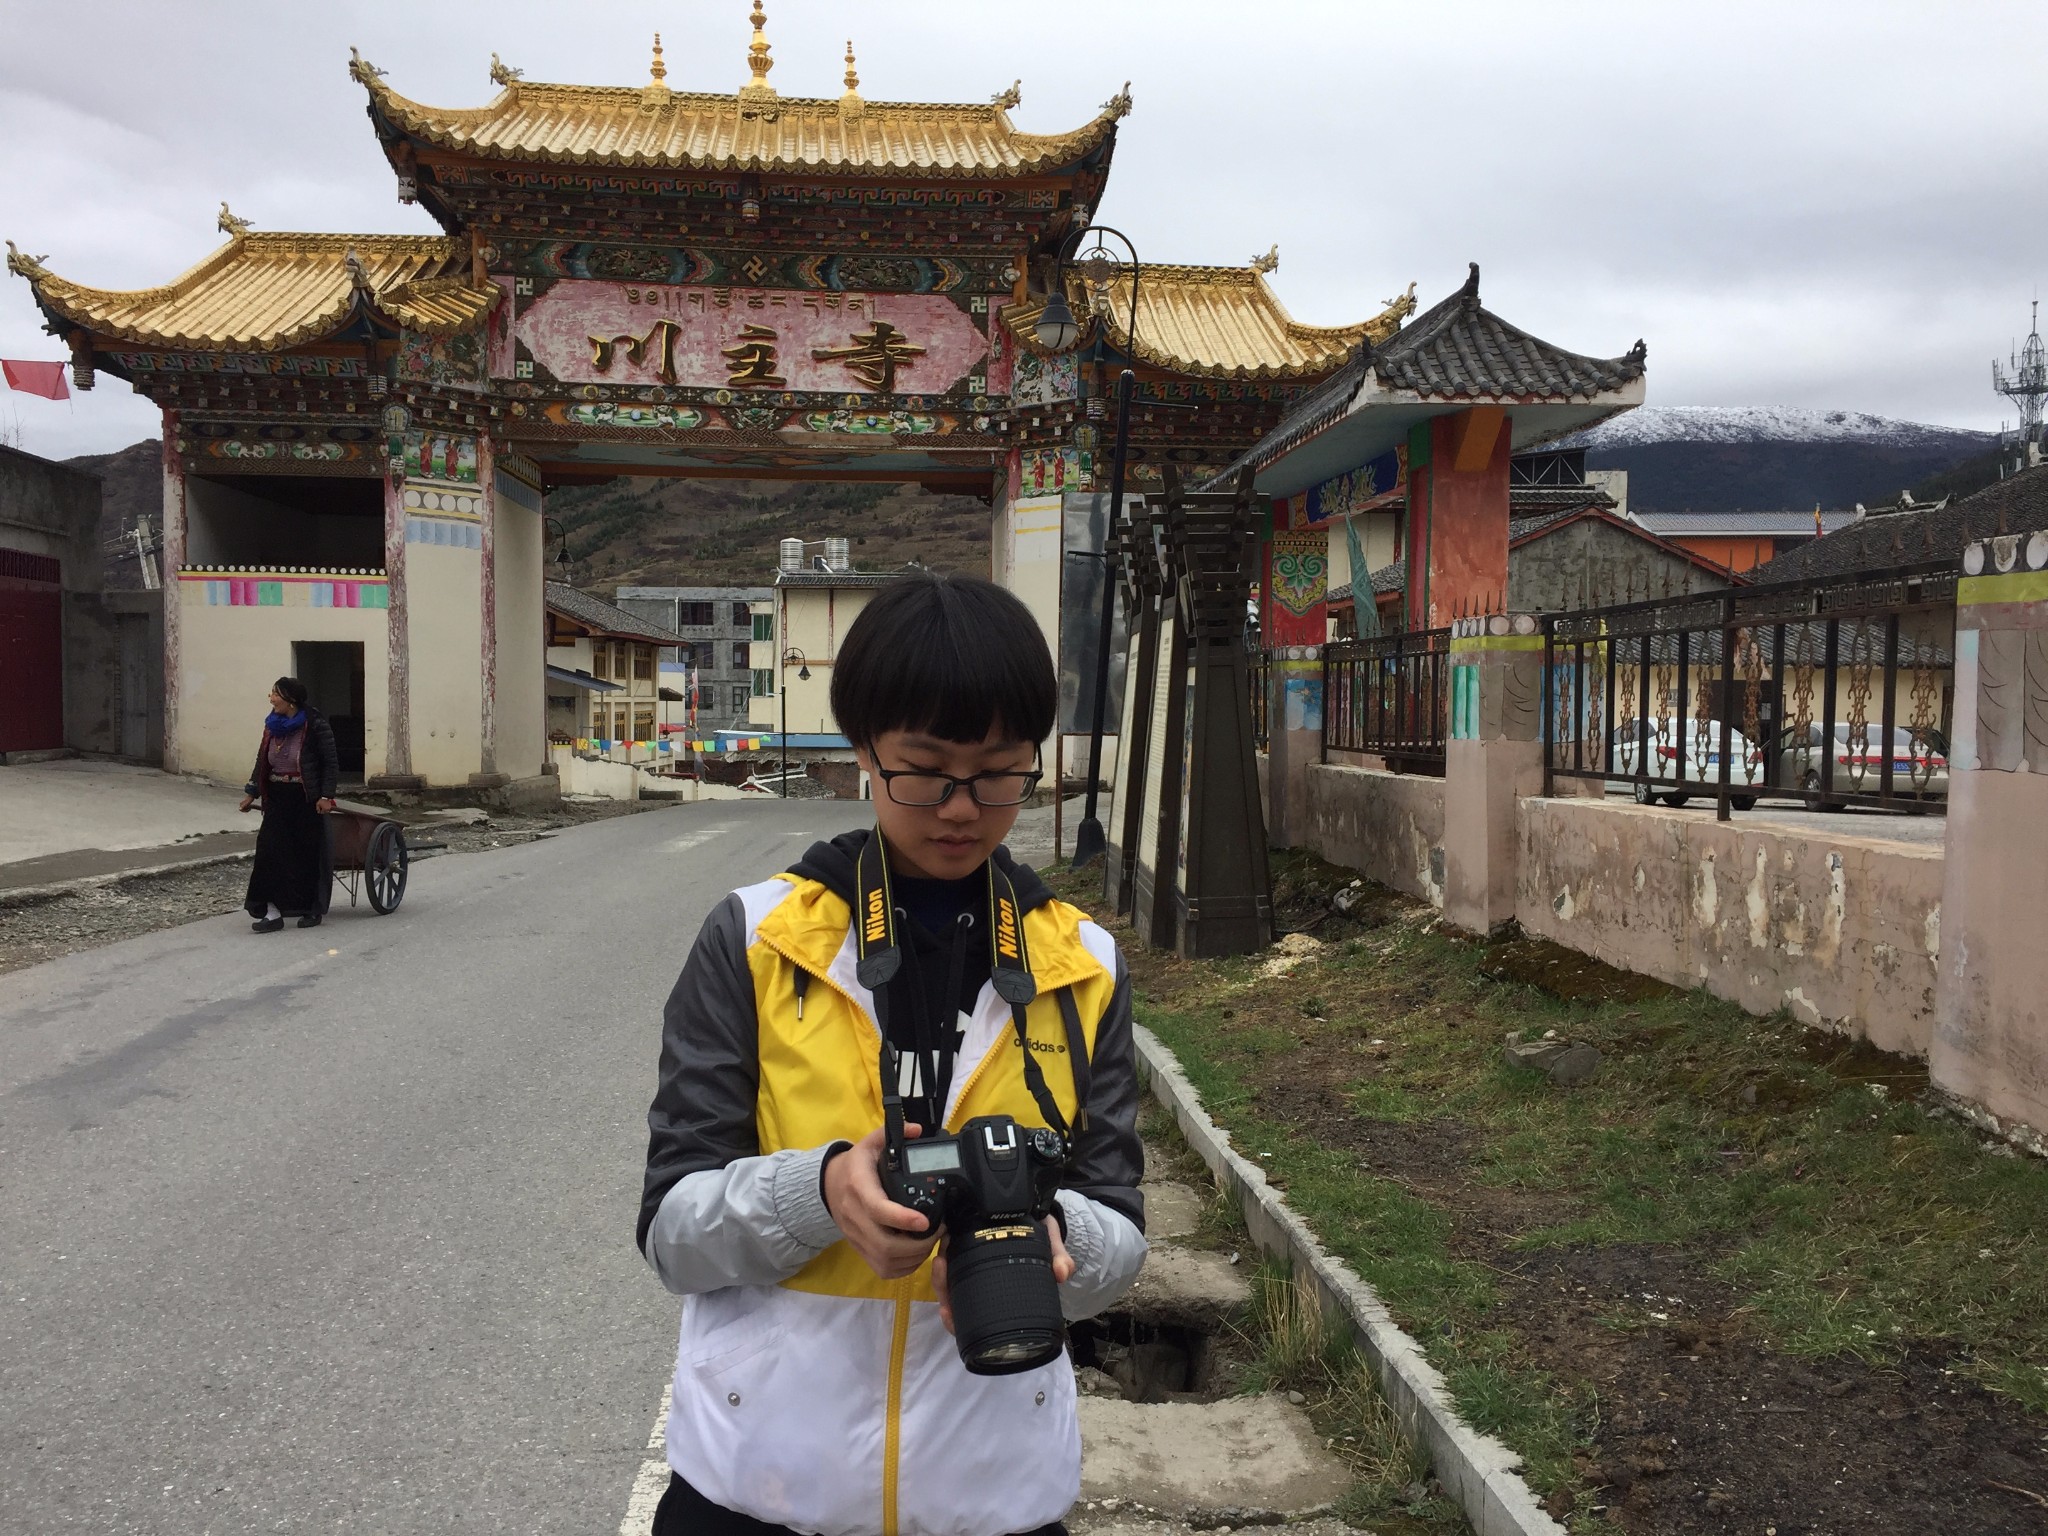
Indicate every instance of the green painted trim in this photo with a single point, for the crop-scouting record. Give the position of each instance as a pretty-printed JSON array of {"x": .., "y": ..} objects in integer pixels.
[
  {"x": 2015, "y": 587},
  {"x": 1418, "y": 445},
  {"x": 1496, "y": 643}
]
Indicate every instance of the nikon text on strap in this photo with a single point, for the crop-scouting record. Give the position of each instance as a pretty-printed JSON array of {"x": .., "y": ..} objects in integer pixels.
[{"x": 880, "y": 957}]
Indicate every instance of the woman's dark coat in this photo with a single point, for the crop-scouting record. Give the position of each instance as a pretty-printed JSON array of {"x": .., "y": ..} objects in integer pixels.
[{"x": 319, "y": 765}]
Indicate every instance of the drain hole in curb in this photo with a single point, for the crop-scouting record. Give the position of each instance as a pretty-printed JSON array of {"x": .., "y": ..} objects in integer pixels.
[{"x": 1118, "y": 1355}]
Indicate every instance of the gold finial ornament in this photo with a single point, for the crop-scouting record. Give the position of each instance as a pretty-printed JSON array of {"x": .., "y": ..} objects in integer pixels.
[
  {"x": 1270, "y": 262},
  {"x": 758, "y": 61},
  {"x": 361, "y": 70},
  {"x": 504, "y": 74},
  {"x": 1010, "y": 99},
  {"x": 657, "y": 71},
  {"x": 229, "y": 225},
  {"x": 850, "y": 107},
  {"x": 1119, "y": 105}
]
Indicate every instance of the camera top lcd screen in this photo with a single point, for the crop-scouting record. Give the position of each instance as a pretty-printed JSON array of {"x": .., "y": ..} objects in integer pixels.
[{"x": 937, "y": 1157}]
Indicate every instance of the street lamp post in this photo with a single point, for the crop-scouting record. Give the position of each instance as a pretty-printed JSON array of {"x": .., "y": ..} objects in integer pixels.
[
  {"x": 803, "y": 675},
  {"x": 1057, "y": 330}
]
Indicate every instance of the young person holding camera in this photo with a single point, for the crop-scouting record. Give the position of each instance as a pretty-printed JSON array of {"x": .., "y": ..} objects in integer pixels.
[{"x": 897, "y": 1096}]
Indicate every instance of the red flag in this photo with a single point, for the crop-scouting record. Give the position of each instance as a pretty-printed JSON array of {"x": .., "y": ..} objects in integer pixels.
[{"x": 45, "y": 379}]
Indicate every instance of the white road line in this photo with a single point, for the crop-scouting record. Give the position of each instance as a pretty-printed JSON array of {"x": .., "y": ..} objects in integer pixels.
[
  {"x": 652, "y": 1482},
  {"x": 691, "y": 840}
]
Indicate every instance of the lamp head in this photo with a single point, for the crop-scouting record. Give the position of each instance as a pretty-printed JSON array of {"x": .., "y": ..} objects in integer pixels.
[{"x": 1056, "y": 329}]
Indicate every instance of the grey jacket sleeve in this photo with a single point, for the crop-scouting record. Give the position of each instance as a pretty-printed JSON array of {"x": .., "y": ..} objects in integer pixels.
[
  {"x": 713, "y": 1211},
  {"x": 1108, "y": 1250}
]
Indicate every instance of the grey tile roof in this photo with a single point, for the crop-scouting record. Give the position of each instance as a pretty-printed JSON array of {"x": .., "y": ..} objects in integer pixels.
[
  {"x": 1760, "y": 524},
  {"x": 596, "y": 614},
  {"x": 1457, "y": 350},
  {"x": 1885, "y": 539},
  {"x": 1460, "y": 350},
  {"x": 1533, "y": 500}
]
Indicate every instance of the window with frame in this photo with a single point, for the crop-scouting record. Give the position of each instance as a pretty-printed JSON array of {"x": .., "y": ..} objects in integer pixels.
[
  {"x": 695, "y": 614},
  {"x": 764, "y": 626},
  {"x": 643, "y": 663},
  {"x": 643, "y": 725},
  {"x": 764, "y": 682},
  {"x": 600, "y": 660},
  {"x": 740, "y": 695},
  {"x": 741, "y": 655},
  {"x": 742, "y": 615}
]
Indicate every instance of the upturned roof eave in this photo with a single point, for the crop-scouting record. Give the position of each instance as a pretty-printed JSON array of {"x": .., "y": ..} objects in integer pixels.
[{"x": 399, "y": 117}]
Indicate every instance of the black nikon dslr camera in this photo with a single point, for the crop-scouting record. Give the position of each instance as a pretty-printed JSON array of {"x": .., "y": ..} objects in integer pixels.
[{"x": 992, "y": 1186}]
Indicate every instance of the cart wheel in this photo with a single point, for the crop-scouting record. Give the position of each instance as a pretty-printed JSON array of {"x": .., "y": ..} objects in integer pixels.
[{"x": 384, "y": 866}]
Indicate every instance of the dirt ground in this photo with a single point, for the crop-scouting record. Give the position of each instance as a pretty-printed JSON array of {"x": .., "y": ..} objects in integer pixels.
[
  {"x": 104, "y": 913},
  {"x": 1700, "y": 1427}
]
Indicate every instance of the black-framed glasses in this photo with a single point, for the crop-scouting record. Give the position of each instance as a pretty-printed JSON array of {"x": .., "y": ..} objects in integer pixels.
[{"x": 913, "y": 786}]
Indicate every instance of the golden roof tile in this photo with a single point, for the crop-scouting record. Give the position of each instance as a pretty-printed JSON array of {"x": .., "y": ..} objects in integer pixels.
[
  {"x": 265, "y": 291},
  {"x": 1218, "y": 322},
  {"x": 755, "y": 130}
]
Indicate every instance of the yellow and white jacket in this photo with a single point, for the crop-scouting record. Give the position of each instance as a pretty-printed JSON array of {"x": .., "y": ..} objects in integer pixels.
[{"x": 809, "y": 1392}]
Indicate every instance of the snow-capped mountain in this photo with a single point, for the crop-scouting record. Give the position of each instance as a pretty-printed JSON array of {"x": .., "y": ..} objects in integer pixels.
[
  {"x": 1715, "y": 458},
  {"x": 1772, "y": 424}
]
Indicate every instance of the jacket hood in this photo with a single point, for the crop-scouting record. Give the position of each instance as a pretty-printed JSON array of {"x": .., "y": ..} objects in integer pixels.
[{"x": 831, "y": 865}]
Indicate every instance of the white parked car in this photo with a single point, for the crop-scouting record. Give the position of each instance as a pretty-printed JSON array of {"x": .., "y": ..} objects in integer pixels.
[{"x": 1670, "y": 750}]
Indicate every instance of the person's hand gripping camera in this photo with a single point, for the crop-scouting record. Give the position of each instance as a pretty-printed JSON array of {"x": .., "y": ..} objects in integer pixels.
[{"x": 893, "y": 1199}]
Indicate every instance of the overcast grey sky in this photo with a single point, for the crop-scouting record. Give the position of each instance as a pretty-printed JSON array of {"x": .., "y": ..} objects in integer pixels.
[{"x": 1825, "y": 203}]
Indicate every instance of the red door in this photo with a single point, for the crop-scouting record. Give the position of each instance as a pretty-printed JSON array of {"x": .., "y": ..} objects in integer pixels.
[{"x": 31, "y": 653}]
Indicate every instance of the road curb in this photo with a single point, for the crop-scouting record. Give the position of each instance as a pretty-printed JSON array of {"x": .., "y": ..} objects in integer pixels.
[
  {"x": 36, "y": 895},
  {"x": 1476, "y": 1470}
]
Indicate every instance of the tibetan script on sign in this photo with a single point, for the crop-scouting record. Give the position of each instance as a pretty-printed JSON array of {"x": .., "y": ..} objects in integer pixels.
[
  {"x": 752, "y": 359},
  {"x": 874, "y": 356}
]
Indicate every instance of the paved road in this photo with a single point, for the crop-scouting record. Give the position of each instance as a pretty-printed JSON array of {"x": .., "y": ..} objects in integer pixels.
[{"x": 333, "y": 1229}]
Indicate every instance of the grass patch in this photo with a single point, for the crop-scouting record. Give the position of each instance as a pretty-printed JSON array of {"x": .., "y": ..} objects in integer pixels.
[{"x": 1797, "y": 1172}]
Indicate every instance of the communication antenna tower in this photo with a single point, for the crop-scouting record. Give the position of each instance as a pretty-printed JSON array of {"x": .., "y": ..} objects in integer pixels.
[{"x": 2025, "y": 380}]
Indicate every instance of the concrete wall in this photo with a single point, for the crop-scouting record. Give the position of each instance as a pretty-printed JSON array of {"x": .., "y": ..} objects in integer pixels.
[
  {"x": 444, "y": 618},
  {"x": 813, "y": 620},
  {"x": 1842, "y": 931},
  {"x": 1387, "y": 826},
  {"x": 521, "y": 705},
  {"x": 53, "y": 510},
  {"x": 1591, "y": 562},
  {"x": 229, "y": 657}
]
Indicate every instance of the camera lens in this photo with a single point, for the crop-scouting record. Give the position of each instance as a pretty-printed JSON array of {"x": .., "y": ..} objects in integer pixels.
[{"x": 1006, "y": 1304}]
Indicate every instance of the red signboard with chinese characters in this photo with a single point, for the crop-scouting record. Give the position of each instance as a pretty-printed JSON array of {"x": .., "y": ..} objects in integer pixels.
[{"x": 699, "y": 337}]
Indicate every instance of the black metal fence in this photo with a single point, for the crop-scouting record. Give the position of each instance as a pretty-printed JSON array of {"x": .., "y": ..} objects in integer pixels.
[
  {"x": 1390, "y": 696},
  {"x": 1835, "y": 693}
]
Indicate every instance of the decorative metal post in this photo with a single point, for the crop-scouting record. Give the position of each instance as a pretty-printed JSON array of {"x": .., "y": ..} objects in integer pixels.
[
  {"x": 1223, "y": 903},
  {"x": 1057, "y": 330},
  {"x": 1138, "y": 564},
  {"x": 1089, "y": 841}
]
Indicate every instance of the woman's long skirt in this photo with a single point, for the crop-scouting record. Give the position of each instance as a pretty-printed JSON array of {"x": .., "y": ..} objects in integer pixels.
[{"x": 293, "y": 869}]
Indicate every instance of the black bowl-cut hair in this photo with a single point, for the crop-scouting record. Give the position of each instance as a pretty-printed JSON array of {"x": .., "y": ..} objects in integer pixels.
[{"x": 946, "y": 656}]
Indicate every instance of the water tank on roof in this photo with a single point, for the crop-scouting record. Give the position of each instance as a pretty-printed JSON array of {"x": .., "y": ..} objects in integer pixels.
[
  {"x": 792, "y": 555},
  {"x": 838, "y": 555}
]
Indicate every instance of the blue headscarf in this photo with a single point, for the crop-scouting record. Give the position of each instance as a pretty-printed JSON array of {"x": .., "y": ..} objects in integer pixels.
[{"x": 284, "y": 725}]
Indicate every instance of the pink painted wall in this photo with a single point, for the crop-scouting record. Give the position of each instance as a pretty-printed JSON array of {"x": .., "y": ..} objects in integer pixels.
[{"x": 558, "y": 326}]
